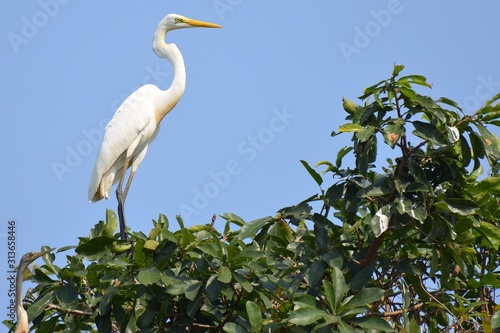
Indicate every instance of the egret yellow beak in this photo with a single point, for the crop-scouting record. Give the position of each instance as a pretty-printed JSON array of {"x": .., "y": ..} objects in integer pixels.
[{"x": 201, "y": 24}]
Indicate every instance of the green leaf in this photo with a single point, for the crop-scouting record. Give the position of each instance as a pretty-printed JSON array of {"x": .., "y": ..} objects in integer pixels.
[
  {"x": 417, "y": 79},
  {"x": 431, "y": 109},
  {"x": 67, "y": 295},
  {"x": 339, "y": 286},
  {"x": 149, "y": 276},
  {"x": 495, "y": 320},
  {"x": 150, "y": 245},
  {"x": 366, "y": 153},
  {"x": 491, "y": 116},
  {"x": 489, "y": 185},
  {"x": 458, "y": 206},
  {"x": 312, "y": 172},
  {"x": 491, "y": 144},
  {"x": 350, "y": 128},
  {"x": 368, "y": 91},
  {"x": 163, "y": 220},
  {"x": 407, "y": 92},
  {"x": 111, "y": 224},
  {"x": 453, "y": 133},
  {"x": 247, "y": 286},
  {"x": 330, "y": 166},
  {"x": 491, "y": 233},
  {"x": 210, "y": 249},
  {"x": 335, "y": 193},
  {"x": 95, "y": 245},
  {"x": 416, "y": 171},
  {"x": 477, "y": 145},
  {"x": 163, "y": 253},
  {"x": 340, "y": 155},
  {"x": 233, "y": 328},
  {"x": 224, "y": 274},
  {"x": 329, "y": 294},
  {"x": 349, "y": 106},
  {"x": 182, "y": 285},
  {"x": 298, "y": 212},
  {"x": 131, "y": 324},
  {"x": 372, "y": 323},
  {"x": 429, "y": 132},
  {"x": 403, "y": 205},
  {"x": 365, "y": 134},
  {"x": 192, "y": 290},
  {"x": 42, "y": 279},
  {"x": 107, "y": 299},
  {"x": 394, "y": 131},
  {"x": 449, "y": 102},
  {"x": 493, "y": 99},
  {"x": 418, "y": 212},
  {"x": 397, "y": 69},
  {"x": 490, "y": 279},
  {"x": 364, "y": 297},
  {"x": 142, "y": 300},
  {"x": 230, "y": 217},
  {"x": 196, "y": 298},
  {"x": 314, "y": 273},
  {"x": 465, "y": 150},
  {"x": 255, "y": 316},
  {"x": 345, "y": 328},
  {"x": 213, "y": 288},
  {"x": 380, "y": 221},
  {"x": 250, "y": 229},
  {"x": 306, "y": 316},
  {"x": 35, "y": 309},
  {"x": 186, "y": 237}
]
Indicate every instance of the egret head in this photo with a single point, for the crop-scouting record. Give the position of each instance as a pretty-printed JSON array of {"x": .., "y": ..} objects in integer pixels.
[
  {"x": 175, "y": 21},
  {"x": 29, "y": 257}
]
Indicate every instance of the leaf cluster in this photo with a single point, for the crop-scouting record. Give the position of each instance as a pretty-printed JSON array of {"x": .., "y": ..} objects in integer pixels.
[{"x": 406, "y": 246}]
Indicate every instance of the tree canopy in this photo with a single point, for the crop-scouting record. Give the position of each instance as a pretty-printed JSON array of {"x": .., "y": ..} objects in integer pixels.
[{"x": 402, "y": 244}]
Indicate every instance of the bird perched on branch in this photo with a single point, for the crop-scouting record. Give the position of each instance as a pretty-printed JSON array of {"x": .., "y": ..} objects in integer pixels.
[
  {"x": 22, "y": 316},
  {"x": 137, "y": 121}
]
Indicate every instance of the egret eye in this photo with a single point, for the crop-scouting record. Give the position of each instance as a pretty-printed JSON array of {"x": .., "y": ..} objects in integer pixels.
[{"x": 179, "y": 20}]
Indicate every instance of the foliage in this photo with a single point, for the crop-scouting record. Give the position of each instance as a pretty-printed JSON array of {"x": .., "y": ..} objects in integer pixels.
[{"x": 406, "y": 247}]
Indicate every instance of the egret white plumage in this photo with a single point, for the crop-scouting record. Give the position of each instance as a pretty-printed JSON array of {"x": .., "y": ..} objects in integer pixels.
[{"x": 137, "y": 121}]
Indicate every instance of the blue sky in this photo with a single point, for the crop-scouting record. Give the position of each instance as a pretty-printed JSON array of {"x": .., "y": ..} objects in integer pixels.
[{"x": 262, "y": 93}]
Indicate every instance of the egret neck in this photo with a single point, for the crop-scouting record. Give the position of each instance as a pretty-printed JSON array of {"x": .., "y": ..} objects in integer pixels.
[
  {"x": 169, "y": 98},
  {"x": 22, "y": 316}
]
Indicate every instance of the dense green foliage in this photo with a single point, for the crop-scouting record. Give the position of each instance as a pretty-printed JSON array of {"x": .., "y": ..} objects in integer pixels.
[{"x": 403, "y": 245}]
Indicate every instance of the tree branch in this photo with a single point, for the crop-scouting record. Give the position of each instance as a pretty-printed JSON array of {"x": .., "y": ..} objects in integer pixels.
[
  {"x": 397, "y": 312},
  {"x": 70, "y": 311}
]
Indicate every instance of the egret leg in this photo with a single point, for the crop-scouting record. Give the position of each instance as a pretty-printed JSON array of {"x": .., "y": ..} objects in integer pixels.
[
  {"x": 121, "y": 215},
  {"x": 121, "y": 200},
  {"x": 129, "y": 181}
]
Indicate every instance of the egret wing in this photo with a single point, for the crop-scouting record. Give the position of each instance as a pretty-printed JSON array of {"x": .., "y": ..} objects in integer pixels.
[{"x": 129, "y": 123}]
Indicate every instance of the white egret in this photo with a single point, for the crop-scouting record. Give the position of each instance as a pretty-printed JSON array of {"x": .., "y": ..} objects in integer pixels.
[
  {"x": 137, "y": 121},
  {"x": 22, "y": 316}
]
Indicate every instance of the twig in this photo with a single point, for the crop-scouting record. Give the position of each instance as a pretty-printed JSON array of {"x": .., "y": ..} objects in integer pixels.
[
  {"x": 70, "y": 311},
  {"x": 397, "y": 312},
  {"x": 214, "y": 217}
]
